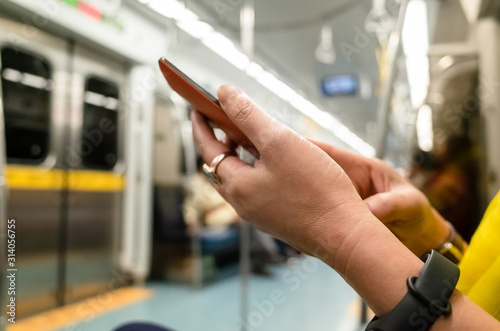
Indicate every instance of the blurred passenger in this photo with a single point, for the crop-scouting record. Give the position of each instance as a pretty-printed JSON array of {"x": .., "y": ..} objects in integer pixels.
[
  {"x": 450, "y": 183},
  {"x": 204, "y": 207},
  {"x": 340, "y": 207}
]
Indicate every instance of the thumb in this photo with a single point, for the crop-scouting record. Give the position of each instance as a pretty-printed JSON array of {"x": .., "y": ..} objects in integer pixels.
[
  {"x": 385, "y": 206},
  {"x": 256, "y": 124},
  {"x": 402, "y": 203}
]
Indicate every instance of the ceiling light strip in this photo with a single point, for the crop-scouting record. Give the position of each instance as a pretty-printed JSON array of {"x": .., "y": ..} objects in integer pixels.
[{"x": 188, "y": 22}]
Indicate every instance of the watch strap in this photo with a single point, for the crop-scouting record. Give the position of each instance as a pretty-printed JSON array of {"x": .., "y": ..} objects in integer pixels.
[{"x": 427, "y": 298}]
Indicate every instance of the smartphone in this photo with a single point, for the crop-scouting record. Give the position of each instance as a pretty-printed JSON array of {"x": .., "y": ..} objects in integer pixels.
[{"x": 201, "y": 100}]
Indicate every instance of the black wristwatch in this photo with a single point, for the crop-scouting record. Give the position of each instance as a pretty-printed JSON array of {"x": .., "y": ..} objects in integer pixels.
[{"x": 428, "y": 297}]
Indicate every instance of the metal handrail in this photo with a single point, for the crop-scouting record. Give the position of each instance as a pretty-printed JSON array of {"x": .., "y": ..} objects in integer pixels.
[{"x": 393, "y": 50}]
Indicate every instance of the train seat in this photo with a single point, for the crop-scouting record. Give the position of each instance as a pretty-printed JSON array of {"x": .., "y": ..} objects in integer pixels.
[
  {"x": 174, "y": 246},
  {"x": 215, "y": 240}
]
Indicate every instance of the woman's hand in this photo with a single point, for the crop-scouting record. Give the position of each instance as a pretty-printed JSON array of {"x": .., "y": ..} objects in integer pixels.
[
  {"x": 398, "y": 204},
  {"x": 294, "y": 191},
  {"x": 300, "y": 194}
]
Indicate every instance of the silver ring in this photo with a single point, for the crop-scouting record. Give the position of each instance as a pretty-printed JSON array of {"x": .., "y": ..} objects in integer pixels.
[{"x": 211, "y": 171}]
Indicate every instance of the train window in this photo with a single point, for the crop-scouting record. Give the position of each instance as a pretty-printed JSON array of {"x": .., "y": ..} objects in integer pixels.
[
  {"x": 100, "y": 116},
  {"x": 26, "y": 86}
]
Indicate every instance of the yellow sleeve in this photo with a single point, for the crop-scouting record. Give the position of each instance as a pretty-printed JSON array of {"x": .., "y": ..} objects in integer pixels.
[
  {"x": 480, "y": 267},
  {"x": 486, "y": 291}
]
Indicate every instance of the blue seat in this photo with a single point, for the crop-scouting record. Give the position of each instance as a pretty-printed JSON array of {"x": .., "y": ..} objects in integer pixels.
[
  {"x": 213, "y": 241},
  {"x": 169, "y": 225}
]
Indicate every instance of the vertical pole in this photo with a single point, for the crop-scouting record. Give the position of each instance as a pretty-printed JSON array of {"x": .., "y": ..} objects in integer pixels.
[
  {"x": 247, "y": 27},
  {"x": 393, "y": 50},
  {"x": 3, "y": 219}
]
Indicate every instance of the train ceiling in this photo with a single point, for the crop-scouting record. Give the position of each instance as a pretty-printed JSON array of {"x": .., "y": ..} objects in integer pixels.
[{"x": 287, "y": 32}]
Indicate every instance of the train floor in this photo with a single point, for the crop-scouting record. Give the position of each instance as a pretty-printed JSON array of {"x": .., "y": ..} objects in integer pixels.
[{"x": 300, "y": 295}]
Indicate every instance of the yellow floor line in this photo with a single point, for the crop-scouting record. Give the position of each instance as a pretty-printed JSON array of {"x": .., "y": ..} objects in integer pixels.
[{"x": 80, "y": 311}]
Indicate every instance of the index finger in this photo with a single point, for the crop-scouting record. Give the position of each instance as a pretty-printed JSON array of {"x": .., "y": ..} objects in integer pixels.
[{"x": 255, "y": 123}]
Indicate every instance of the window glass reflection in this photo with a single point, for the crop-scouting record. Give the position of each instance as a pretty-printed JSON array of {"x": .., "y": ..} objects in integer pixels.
[
  {"x": 99, "y": 131},
  {"x": 26, "y": 89}
]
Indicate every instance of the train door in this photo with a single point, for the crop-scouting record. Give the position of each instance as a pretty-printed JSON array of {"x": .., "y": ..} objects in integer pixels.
[
  {"x": 96, "y": 182},
  {"x": 33, "y": 75}
]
